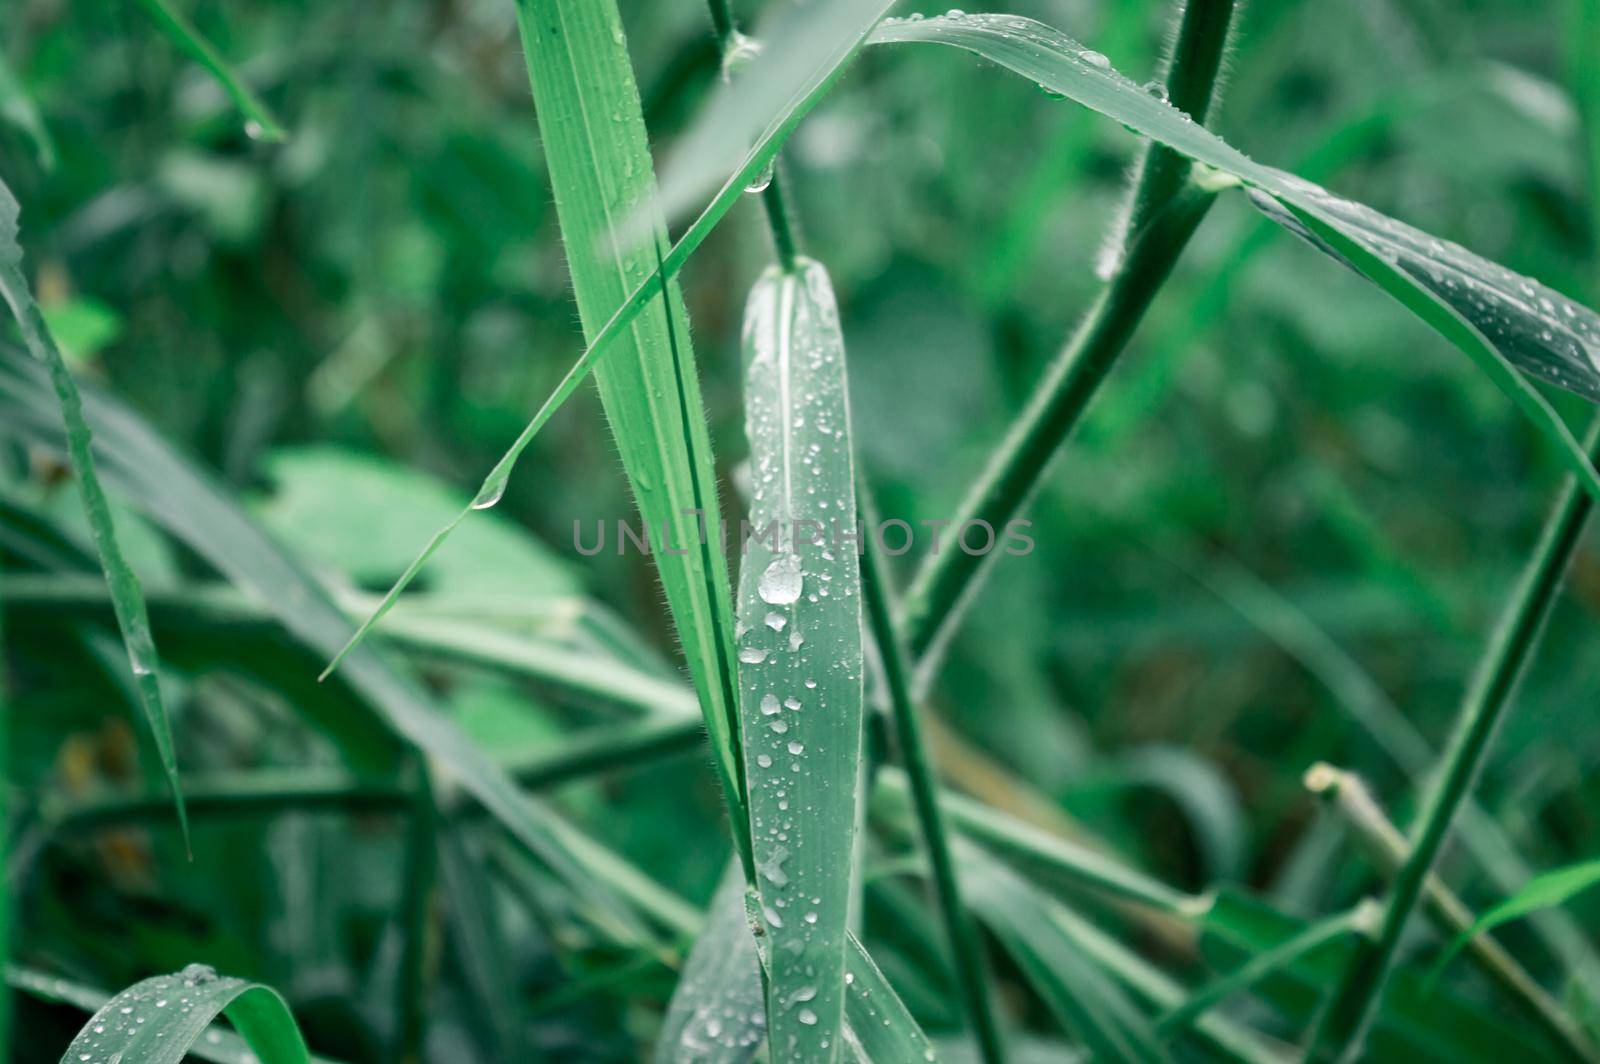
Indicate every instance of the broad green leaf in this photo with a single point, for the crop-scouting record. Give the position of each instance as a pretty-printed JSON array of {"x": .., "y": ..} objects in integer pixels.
[
  {"x": 1544, "y": 891},
  {"x": 259, "y": 121},
  {"x": 1085, "y": 1001},
  {"x": 601, "y": 173},
  {"x": 1508, "y": 324},
  {"x": 200, "y": 513},
  {"x": 157, "y": 1021},
  {"x": 364, "y": 515},
  {"x": 800, "y": 663},
  {"x": 126, "y": 596}
]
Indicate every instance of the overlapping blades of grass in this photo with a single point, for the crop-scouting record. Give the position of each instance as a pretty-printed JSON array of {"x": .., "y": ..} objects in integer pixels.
[
  {"x": 800, "y": 664},
  {"x": 126, "y": 596},
  {"x": 602, "y": 175},
  {"x": 157, "y": 1020},
  {"x": 201, "y": 514},
  {"x": 1511, "y": 326},
  {"x": 847, "y": 19}
]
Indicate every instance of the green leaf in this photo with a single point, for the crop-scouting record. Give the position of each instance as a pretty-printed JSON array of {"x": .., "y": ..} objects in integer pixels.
[
  {"x": 1544, "y": 891},
  {"x": 1508, "y": 324},
  {"x": 800, "y": 664},
  {"x": 157, "y": 1021},
  {"x": 126, "y": 596},
  {"x": 259, "y": 121}
]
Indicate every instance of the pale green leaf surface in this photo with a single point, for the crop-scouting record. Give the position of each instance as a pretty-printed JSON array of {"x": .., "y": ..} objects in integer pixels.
[{"x": 800, "y": 664}]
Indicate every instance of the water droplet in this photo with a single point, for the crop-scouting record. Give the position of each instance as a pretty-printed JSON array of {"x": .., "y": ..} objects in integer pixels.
[
  {"x": 769, "y": 704},
  {"x": 763, "y": 177},
  {"x": 808, "y": 1017},
  {"x": 781, "y": 582},
  {"x": 491, "y": 493},
  {"x": 797, "y": 749},
  {"x": 752, "y": 655},
  {"x": 776, "y": 621}
]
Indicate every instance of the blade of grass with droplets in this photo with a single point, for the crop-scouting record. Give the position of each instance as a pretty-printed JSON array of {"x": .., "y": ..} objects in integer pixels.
[
  {"x": 126, "y": 596},
  {"x": 203, "y": 515},
  {"x": 800, "y": 664},
  {"x": 1509, "y": 325},
  {"x": 821, "y": 74},
  {"x": 260, "y": 124},
  {"x": 602, "y": 174},
  {"x": 157, "y": 1021},
  {"x": 218, "y": 1044}
]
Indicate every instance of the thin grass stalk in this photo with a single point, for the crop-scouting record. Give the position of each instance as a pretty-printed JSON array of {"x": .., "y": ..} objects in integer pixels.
[
  {"x": 1341, "y": 1032},
  {"x": 1164, "y": 214},
  {"x": 731, "y": 44},
  {"x": 961, "y": 932},
  {"x": 1387, "y": 848}
]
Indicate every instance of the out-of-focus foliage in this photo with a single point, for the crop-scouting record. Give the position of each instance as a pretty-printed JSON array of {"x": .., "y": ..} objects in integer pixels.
[{"x": 349, "y": 326}]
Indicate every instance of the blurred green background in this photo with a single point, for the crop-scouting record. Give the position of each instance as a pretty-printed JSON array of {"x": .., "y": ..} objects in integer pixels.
[{"x": 1287, "y": 492}]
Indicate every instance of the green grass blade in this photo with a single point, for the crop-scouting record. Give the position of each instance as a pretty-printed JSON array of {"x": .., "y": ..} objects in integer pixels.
[
  {"x": 602, "y": 174},
  {"x": 800, "y": 671},
  {"x": 126, "y": 596},
  {"x": 1503, "y": 321},
  {"x": 157, "y": 1021},
  {"x": 1544, "y": 891},
  {"x": 260, "y": 124},
  {"x": 202, "y": 514}
]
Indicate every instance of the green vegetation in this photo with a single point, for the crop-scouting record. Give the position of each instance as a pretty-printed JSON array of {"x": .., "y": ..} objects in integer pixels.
[{"x": 1038, "y": 612}]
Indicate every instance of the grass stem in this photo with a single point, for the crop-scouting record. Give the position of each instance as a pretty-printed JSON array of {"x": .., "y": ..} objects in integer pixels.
[
  {"x": 1164, "y": 214},
  {"x": 965, "y": 947},
  {"x": 1386, "y": 847}
]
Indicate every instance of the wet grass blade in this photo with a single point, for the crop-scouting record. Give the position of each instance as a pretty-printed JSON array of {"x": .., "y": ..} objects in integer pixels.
[
  {"x": 126, "y": 596},
  {"x": 800, "y": 663},
  {"x": 601, "y": 172},
  {"x": 1510, "y": 326},
  {"x": 260, "y": 124},
  {"x": 157, "y": 1021}
]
